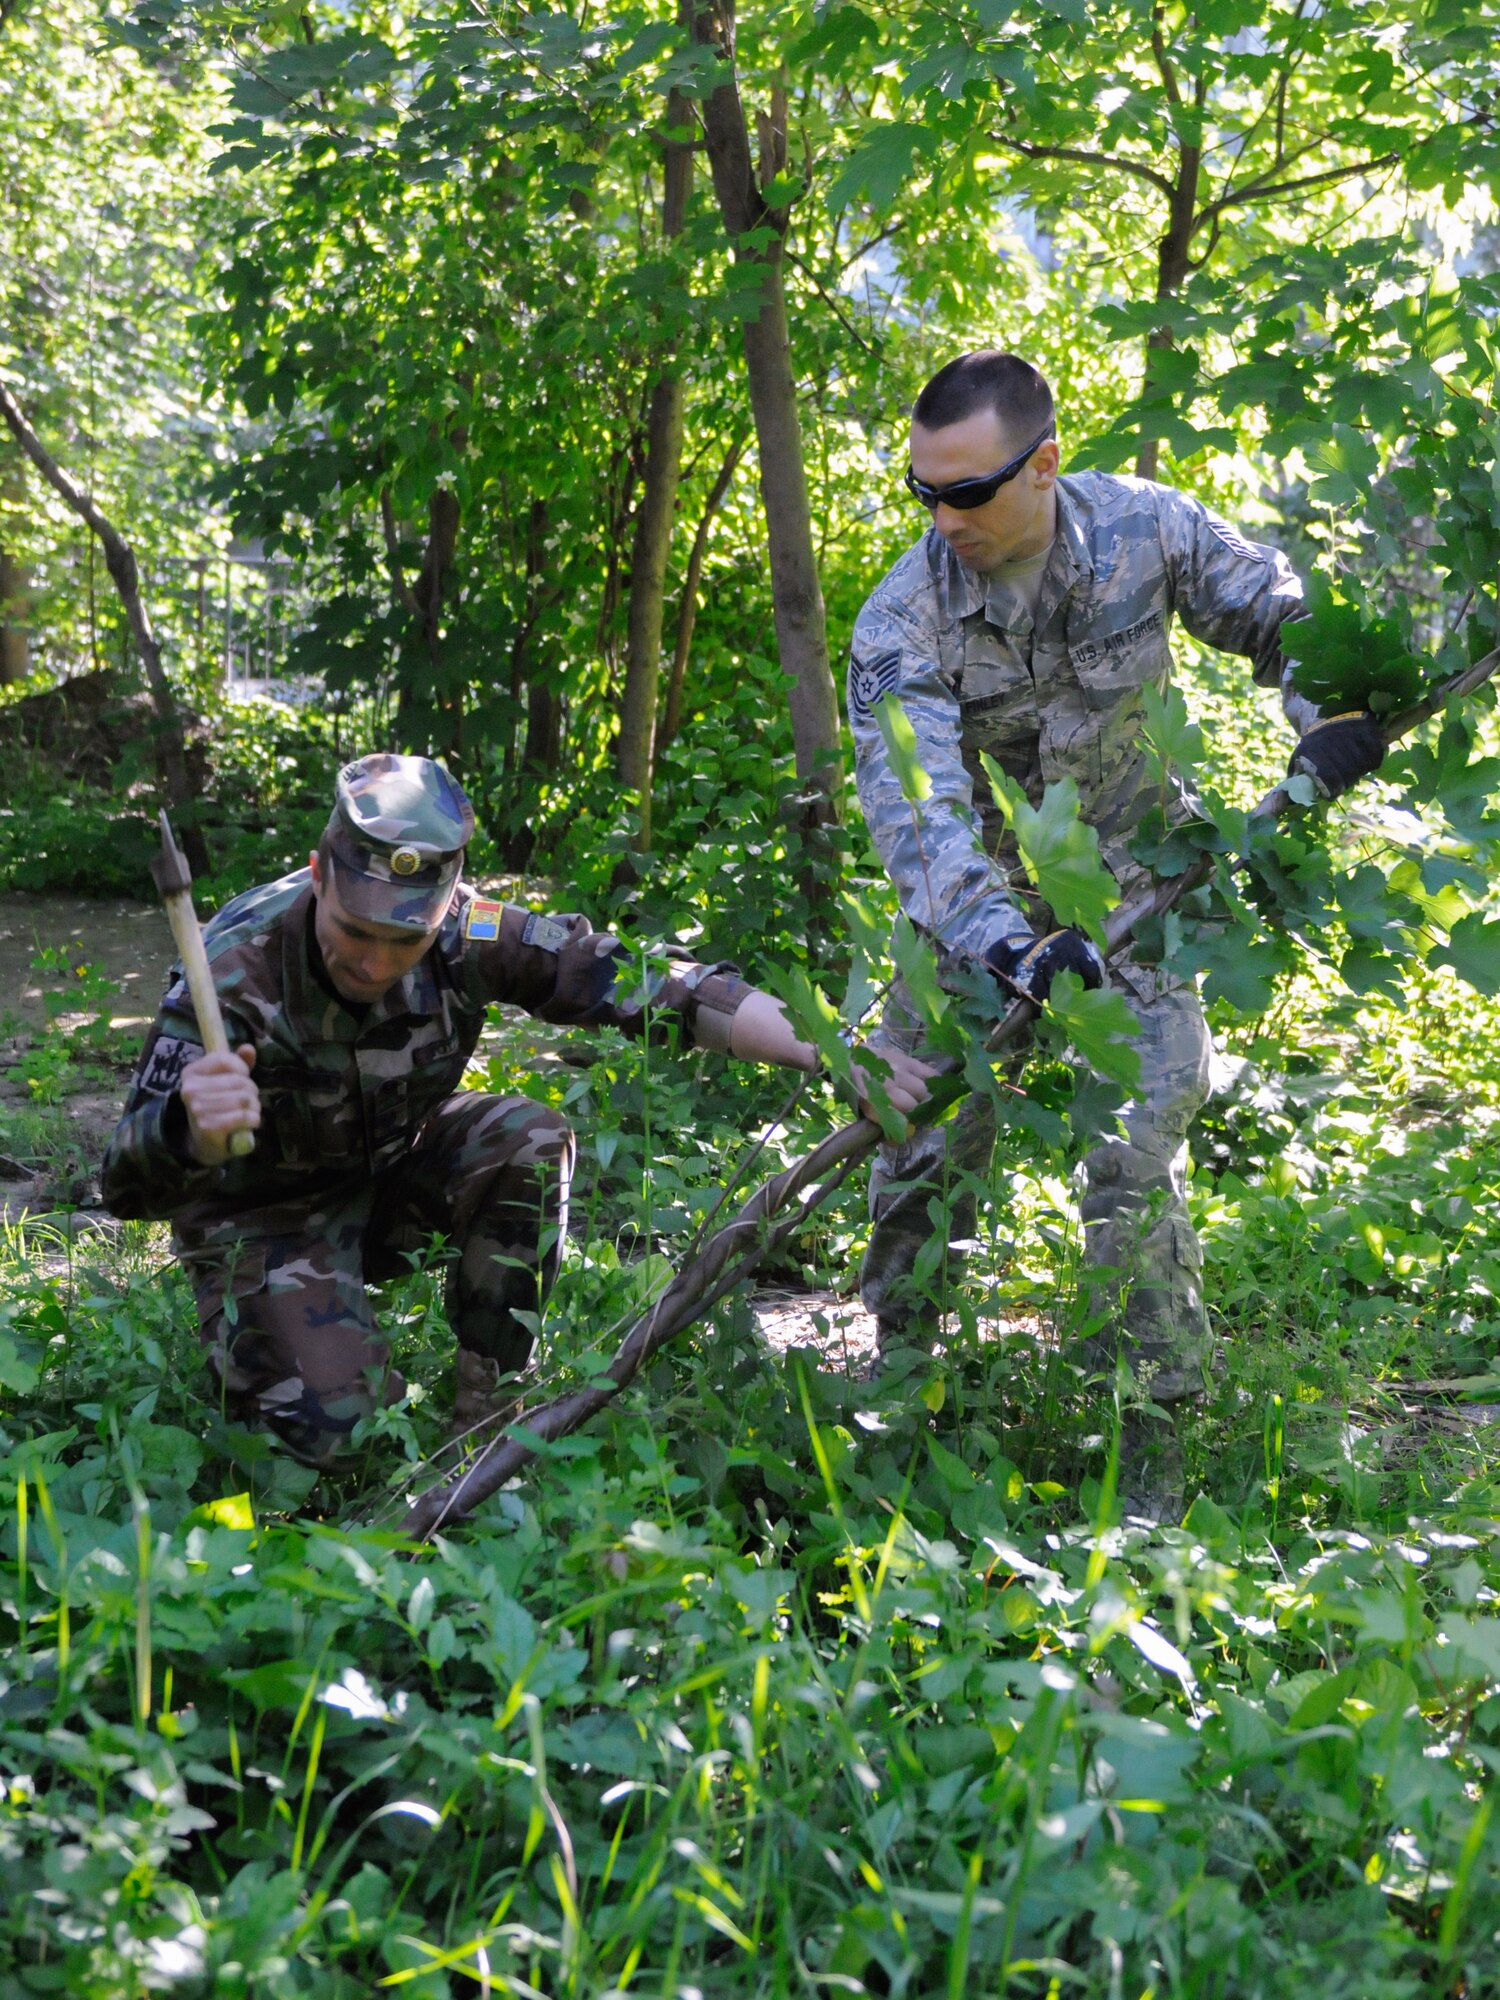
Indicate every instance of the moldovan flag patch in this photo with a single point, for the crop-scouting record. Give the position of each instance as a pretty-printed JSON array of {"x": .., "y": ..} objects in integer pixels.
[{"x": 482, "y": 920}]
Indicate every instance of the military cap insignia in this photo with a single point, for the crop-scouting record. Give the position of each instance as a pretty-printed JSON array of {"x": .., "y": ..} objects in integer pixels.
[
  {"x": 1236, "y": 543},
  {"x": 869, "y": 684},
  {"x": 482, "y": 920},
  {"x": 405, "y": 861}
]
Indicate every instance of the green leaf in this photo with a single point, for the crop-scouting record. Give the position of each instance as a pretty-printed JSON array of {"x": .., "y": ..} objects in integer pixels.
[
  {"x": 16, "y": 1371},
  {"x": 918, "y": 967},
  {"x": 1174, "y": 740},
  {"x": 950, "y": 1467},
  {"x": 901, "y": 748},
  {"x": 1059, "y": 849},
  {"x": 1473, "y": 951},
  {"x": 1241, "y": 967},
  {"x": 1347, "y": 463},
  {"x": 1347, "y": 661},
  {"x": 1324, "y": 1698},
  {"x": 1100, "y": 1026},
  {"x": 881, "y": 164}
]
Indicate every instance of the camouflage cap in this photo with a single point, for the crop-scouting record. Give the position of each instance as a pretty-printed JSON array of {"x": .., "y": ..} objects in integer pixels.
[{"x": 397, "y": 839}]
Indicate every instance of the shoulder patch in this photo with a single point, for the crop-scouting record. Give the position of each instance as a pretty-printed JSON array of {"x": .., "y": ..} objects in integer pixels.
[
  {"x": 1236, "y": 543},
  {"x": 169, "y": 1059},
  {"x": 545, "y": 933},
  {"x": 482, "y": 920},
  {"x": 870, "y": 684}
]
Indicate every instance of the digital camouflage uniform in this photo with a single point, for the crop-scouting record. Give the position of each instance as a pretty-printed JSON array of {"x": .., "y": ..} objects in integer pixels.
[
  {"x": 1058, "y": 697},
  {"x": 367, "y": 1145}
]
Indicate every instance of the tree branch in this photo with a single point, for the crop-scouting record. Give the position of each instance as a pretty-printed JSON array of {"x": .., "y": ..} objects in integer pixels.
[
  {"x": 1085, "y": 158},
  {"x": 401, "y": 591},
  {"x": 1261, "y": 191},
  {"x": 120, "y": 561},
  {"x": 1159, "y": 50},
  {"x": 833, "y": 306}
]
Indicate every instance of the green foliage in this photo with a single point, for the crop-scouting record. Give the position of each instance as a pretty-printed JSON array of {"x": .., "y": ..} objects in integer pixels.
[
  {"x": 1060, "y": 851},
  {"x": 772, "y": 1667},
  {"x": 1346, "y": 660},
  {"x": 901, "y": 747},
  {"x": 778, "y": 1678},
  {"x": 1100, "y": 1026}
]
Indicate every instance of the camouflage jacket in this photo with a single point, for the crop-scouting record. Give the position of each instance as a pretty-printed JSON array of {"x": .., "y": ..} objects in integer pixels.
[
  {"x": 1060, "y": 697},
  {"x": 344, "y": 1091}
]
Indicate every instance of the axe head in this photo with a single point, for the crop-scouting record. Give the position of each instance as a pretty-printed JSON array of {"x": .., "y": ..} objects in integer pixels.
[{"x": 169, "y": 870}]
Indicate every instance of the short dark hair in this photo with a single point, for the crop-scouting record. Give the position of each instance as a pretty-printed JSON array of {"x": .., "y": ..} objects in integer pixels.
[{"x": 987, "y": 379}]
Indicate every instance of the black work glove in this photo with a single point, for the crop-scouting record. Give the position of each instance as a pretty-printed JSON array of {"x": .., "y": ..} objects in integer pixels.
[
  {"x": 1030, "y": 965},
  {"x": 1338, "y": 751}
]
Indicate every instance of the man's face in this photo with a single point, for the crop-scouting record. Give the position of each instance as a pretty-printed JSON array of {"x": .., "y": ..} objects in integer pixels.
[
  {"x": 363, "y": 959},
  {"x": 1020, "y": 519}
]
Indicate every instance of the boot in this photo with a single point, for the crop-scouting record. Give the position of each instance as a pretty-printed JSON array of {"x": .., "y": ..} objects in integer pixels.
[
  {"x": 1150, "y": 1487},
  {"x": 480, "y": 1403}
]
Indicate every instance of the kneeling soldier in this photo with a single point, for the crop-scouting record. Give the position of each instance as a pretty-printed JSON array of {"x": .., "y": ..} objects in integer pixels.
[{"x": 353, "y": 993}]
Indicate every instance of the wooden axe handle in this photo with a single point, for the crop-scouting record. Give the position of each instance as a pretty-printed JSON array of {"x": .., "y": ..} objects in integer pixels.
[{"x": 176, "y": 887}]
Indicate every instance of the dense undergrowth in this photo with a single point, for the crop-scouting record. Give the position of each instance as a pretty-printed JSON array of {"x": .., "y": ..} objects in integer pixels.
[{"x": 779, "y": 1681}]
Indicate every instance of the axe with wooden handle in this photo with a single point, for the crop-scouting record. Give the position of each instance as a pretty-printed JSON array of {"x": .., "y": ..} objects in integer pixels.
[{"x": 170, "y": 873}]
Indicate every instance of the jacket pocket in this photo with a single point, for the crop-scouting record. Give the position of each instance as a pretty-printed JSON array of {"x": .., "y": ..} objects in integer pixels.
[
  {"x": 302, "y": 1106},
  {"x": 1111, "y": 667}
]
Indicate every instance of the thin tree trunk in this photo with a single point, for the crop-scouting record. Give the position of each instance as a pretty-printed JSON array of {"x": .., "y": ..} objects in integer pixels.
[
  {"x": 1173, "y": 258},
  {"x": 15, "y": 645},
  {"x": 119, "y": 559},
  {"x": 15, "y": 584},
  {"x": 427, "y": 591},
  {"x": 796, "y": 592},
  {"x": 542, "y": 748},
  {"x": 653, "y": 529},
  {"x": 1172, "y": 266},
  {"x": 687, "y": 609}
]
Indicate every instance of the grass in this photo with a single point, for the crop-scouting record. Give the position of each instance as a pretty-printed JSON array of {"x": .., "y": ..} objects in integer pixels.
[
  {"x": 773, "y": 1682},
  {"x": 780, "y": 1683}
]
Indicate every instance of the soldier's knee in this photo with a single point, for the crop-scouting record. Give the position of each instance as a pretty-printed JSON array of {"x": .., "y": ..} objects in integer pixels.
[{"x": 543, "y": 1140}]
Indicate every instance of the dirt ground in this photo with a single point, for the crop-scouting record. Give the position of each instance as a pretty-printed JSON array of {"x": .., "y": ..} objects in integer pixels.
[{"x": 130, "y": 942}]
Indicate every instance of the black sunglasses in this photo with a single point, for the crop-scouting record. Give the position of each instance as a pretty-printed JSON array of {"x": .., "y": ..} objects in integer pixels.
[{"x": 966, "y": 493}]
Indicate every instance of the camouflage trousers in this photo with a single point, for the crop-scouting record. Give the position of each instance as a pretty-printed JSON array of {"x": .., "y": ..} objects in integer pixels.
[
  {"x": 283, "y": 1306},
  {"x": 1142, "y": 1261}
]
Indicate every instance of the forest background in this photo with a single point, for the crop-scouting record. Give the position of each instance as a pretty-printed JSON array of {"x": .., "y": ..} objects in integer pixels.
[{"x": 530, "y": 388}]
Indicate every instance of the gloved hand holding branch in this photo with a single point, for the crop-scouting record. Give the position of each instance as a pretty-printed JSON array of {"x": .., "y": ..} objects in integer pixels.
[{"x": 780, "y": 1206}]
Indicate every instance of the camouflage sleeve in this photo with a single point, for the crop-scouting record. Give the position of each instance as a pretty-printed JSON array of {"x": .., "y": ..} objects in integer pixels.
[
  {"x": 560, "y": 969},
  {"x": 148, "y": 1171},
  {"x": 1233, "y": 593},
  {"x": 933, "y": 852}
]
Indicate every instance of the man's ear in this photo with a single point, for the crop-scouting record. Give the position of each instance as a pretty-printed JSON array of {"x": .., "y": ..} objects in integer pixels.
[{"x": 1045, "y": 464}]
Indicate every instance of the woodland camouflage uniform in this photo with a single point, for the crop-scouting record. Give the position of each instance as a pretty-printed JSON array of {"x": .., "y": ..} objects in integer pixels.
[
  {"x": 1060, "y": 696},
  {"x": 367, "y": 1145}
]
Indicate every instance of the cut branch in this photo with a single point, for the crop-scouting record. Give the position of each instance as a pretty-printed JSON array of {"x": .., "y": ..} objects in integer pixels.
[
  {"x": 733, "y": 1252},
  {"x": 120, "y": 561}
]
